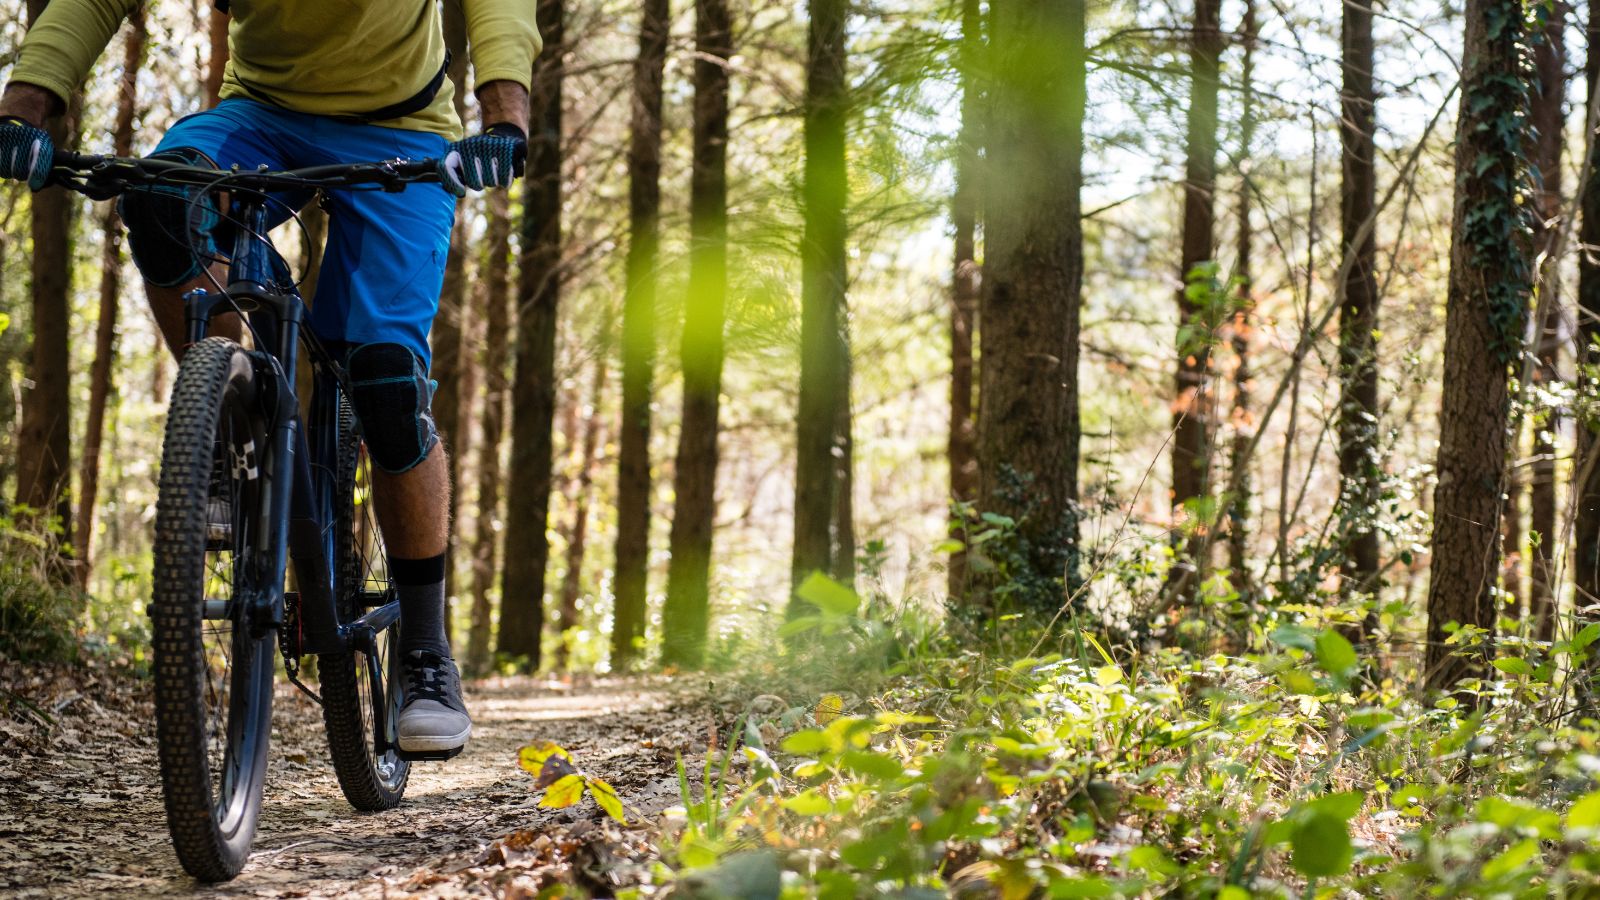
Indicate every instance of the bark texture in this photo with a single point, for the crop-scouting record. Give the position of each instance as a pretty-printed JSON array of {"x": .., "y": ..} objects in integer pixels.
[
  {"x": 497, "y": 326},
  {"x": 1548, "y": 117},
  {"x": 1359, "y": 463},
  {"x": 1028, "y": 428},
  {"x": 963, "y": 441},
  {"x": 822, "y": 530},
  {"x": 1586, "y": 493},
  {"x": 639, "y": 338},
  {"x": 687, "y": 616},
  {"x": 44, "y": 440},
  {"x": 1242, "y": 329},
  {"x": 1490, "y": 278},
  {"x": 533, "y": 392},
  {"x": 577, "y": 535},
  {"x": 105, "y": 337},
  {"x": 1191, "y": 410}
]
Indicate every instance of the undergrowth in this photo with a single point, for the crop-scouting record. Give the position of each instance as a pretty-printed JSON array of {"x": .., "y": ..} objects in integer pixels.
[{"x": 872, "y": 758}]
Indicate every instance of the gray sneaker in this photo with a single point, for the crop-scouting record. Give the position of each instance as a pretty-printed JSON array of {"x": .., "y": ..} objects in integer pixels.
[{"x": 434, "y": 717}]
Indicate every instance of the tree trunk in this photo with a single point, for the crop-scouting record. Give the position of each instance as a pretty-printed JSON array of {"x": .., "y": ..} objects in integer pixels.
[
  {"x": 1191, "y": 411},
  {"x": 1241, "y": 331},
  {"x": 44, "y": 441},
  {"x": 497, "y": 316},
  {"x": 821, "y": 532},
  {"x": 1490, "y": 277},
  {"x": 448, "y": 353},
  {"x": 963, "y": 445},
  {"x": 639, "y": 339},
  {"x": 577, "y": 536},
  {"x": 218, "y": 32},
  {"x": 533, "y": 392},
  {"x": 1359, "y": 461},
  {"x": 110, "y": 287},
  {"x": 687, "y": 615},
  {"x": 1586, "y": 517},
  {"x": 1550, "y": 61}
]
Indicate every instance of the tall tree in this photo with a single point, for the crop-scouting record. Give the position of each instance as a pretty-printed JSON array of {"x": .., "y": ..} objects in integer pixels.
[
  {"x": 533, "y": 396},
  {"x": 639, "y": 338},
  {"x": 454, "y": 298},
  {"x": 1191, "y": 411},
  {"x": 686, "y": 616},
  {"x": 497, "y": 320},
  {"x": 582, "y": 488},
  {"x": 821, "y": 532},
  {"x": 1242, "y": 328},
  {"x": 110, "y": 287},
  {"x": 44, "y": 442},
  {"x": 1586, "y": 515},
  {"x": 1358, "y": 316},
  {"x": 1490, "y": 277},
  {"x": 1028, "y": 429},
  {"x": 963, "y": 439},
  {"x": 1548, "y": 116}
]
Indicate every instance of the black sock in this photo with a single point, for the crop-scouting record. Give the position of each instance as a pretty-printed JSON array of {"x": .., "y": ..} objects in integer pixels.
[{"x": 420, "y": 584}]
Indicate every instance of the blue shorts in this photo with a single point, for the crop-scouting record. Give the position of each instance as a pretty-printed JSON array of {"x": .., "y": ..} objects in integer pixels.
[{"x": 384, "y": 262}]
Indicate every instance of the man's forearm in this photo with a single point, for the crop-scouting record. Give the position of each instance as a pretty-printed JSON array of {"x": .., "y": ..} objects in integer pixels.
[
  {"x": 504, "y": 101},
  {"x": 34, "y": 104}
]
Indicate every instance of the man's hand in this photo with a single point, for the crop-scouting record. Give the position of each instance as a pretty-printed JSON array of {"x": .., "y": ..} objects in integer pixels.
[
  {"x": 26, "y": 151},
  {"x": 496, "y": 157}
]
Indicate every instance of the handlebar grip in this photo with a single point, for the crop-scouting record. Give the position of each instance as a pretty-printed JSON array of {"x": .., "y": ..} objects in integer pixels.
[{"x": 66, "y": 159}]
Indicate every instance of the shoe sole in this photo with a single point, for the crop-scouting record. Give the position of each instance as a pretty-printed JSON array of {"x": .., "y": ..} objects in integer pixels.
[{"x": 435, "y": 743}]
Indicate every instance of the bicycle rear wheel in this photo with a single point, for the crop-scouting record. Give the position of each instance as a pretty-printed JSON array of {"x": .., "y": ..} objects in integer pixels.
[
  {"x": 213, "y": 663},
  {"x": 360, "y": 697}
]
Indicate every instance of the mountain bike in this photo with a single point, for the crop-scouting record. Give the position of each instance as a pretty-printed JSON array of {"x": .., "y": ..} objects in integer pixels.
[{"x": 250, "y": 485}]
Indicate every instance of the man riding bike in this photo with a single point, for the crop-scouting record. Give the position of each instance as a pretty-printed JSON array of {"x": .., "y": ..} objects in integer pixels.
[{"x": 310, "y": 83}]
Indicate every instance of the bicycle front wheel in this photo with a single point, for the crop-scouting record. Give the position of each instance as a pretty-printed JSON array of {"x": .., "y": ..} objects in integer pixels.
[{"x": 213, "y": 661}]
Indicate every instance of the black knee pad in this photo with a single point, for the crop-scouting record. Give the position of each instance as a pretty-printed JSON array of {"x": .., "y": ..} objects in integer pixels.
[
  {"x": 393, "y": 399},
  {"x": 171, "y": 235}
]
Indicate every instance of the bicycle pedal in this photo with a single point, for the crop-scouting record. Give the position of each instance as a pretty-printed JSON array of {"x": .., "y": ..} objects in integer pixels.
[{"x": 429, "y": 755}]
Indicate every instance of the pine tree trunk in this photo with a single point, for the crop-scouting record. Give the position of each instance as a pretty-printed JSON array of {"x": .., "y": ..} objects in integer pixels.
[
  {"x": 1490, "y": 277},
  {"x": 497, "y": 315},
  {"x": 454, "y": 299},
  {"x": 821, "y": 530},
  {"x": 1359, "y": 461},
  {"x": 110, "y": 287},
  {"x": 217, "y": 28},
  {"x": 639, "y": 339},
  {"x": 1242, "y": 329},
  {"x": 1191, "y": 412},
  {"x": 1586, "y": 516},
  {"x": 1550, "y": 60},
  {"x": 533, "y": 392},
  {"x": 687, "y": 615},
  {"x": 577, "y": 535},
  {"x": 1028, "y": 428},
  {"x": 963, "y": 441},
  {"x": 44, "y": 441}
]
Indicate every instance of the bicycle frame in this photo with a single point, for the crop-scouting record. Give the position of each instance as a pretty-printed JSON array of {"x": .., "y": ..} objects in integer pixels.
[{"x": 298, "y": 515}]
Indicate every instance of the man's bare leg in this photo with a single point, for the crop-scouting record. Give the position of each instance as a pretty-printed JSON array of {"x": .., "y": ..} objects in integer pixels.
[
  {"x": 166, "y": 304},
  {"x": 413, "y": 507}
]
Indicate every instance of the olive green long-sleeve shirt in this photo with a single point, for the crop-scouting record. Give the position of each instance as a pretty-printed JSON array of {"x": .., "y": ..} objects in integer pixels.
[{"x": 325, "y": 57}]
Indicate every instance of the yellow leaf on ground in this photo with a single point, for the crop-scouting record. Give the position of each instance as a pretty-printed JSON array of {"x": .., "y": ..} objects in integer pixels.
[
  {"x": 563, "y": 793},
  {"x": 828, "y": 708},
  {"x": 546, "y": 762},
  {"x": 606, "y": 795}
]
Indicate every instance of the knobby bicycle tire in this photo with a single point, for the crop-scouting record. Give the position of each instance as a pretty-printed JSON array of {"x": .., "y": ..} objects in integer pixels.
[
  {"x": 211, "y": 814},
  {"x": 371, "y": 782}
]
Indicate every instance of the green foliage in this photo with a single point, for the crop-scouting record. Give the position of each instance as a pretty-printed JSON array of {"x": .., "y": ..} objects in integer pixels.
[{"x": 39, "y": 616}]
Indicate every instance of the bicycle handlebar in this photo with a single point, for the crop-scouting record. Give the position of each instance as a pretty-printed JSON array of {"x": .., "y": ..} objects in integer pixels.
[{"x": 106, "y": 176}]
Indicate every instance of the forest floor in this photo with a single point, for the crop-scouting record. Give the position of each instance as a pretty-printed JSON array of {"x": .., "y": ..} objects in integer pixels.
[{"x": 81, "y": 811}]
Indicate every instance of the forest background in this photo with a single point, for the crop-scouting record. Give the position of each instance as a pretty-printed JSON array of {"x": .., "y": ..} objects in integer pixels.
[{"x": 1227, "y": 346}]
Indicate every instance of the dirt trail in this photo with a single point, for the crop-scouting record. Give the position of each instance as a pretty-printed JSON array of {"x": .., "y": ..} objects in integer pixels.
[{"x": 81, "y": 814}]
